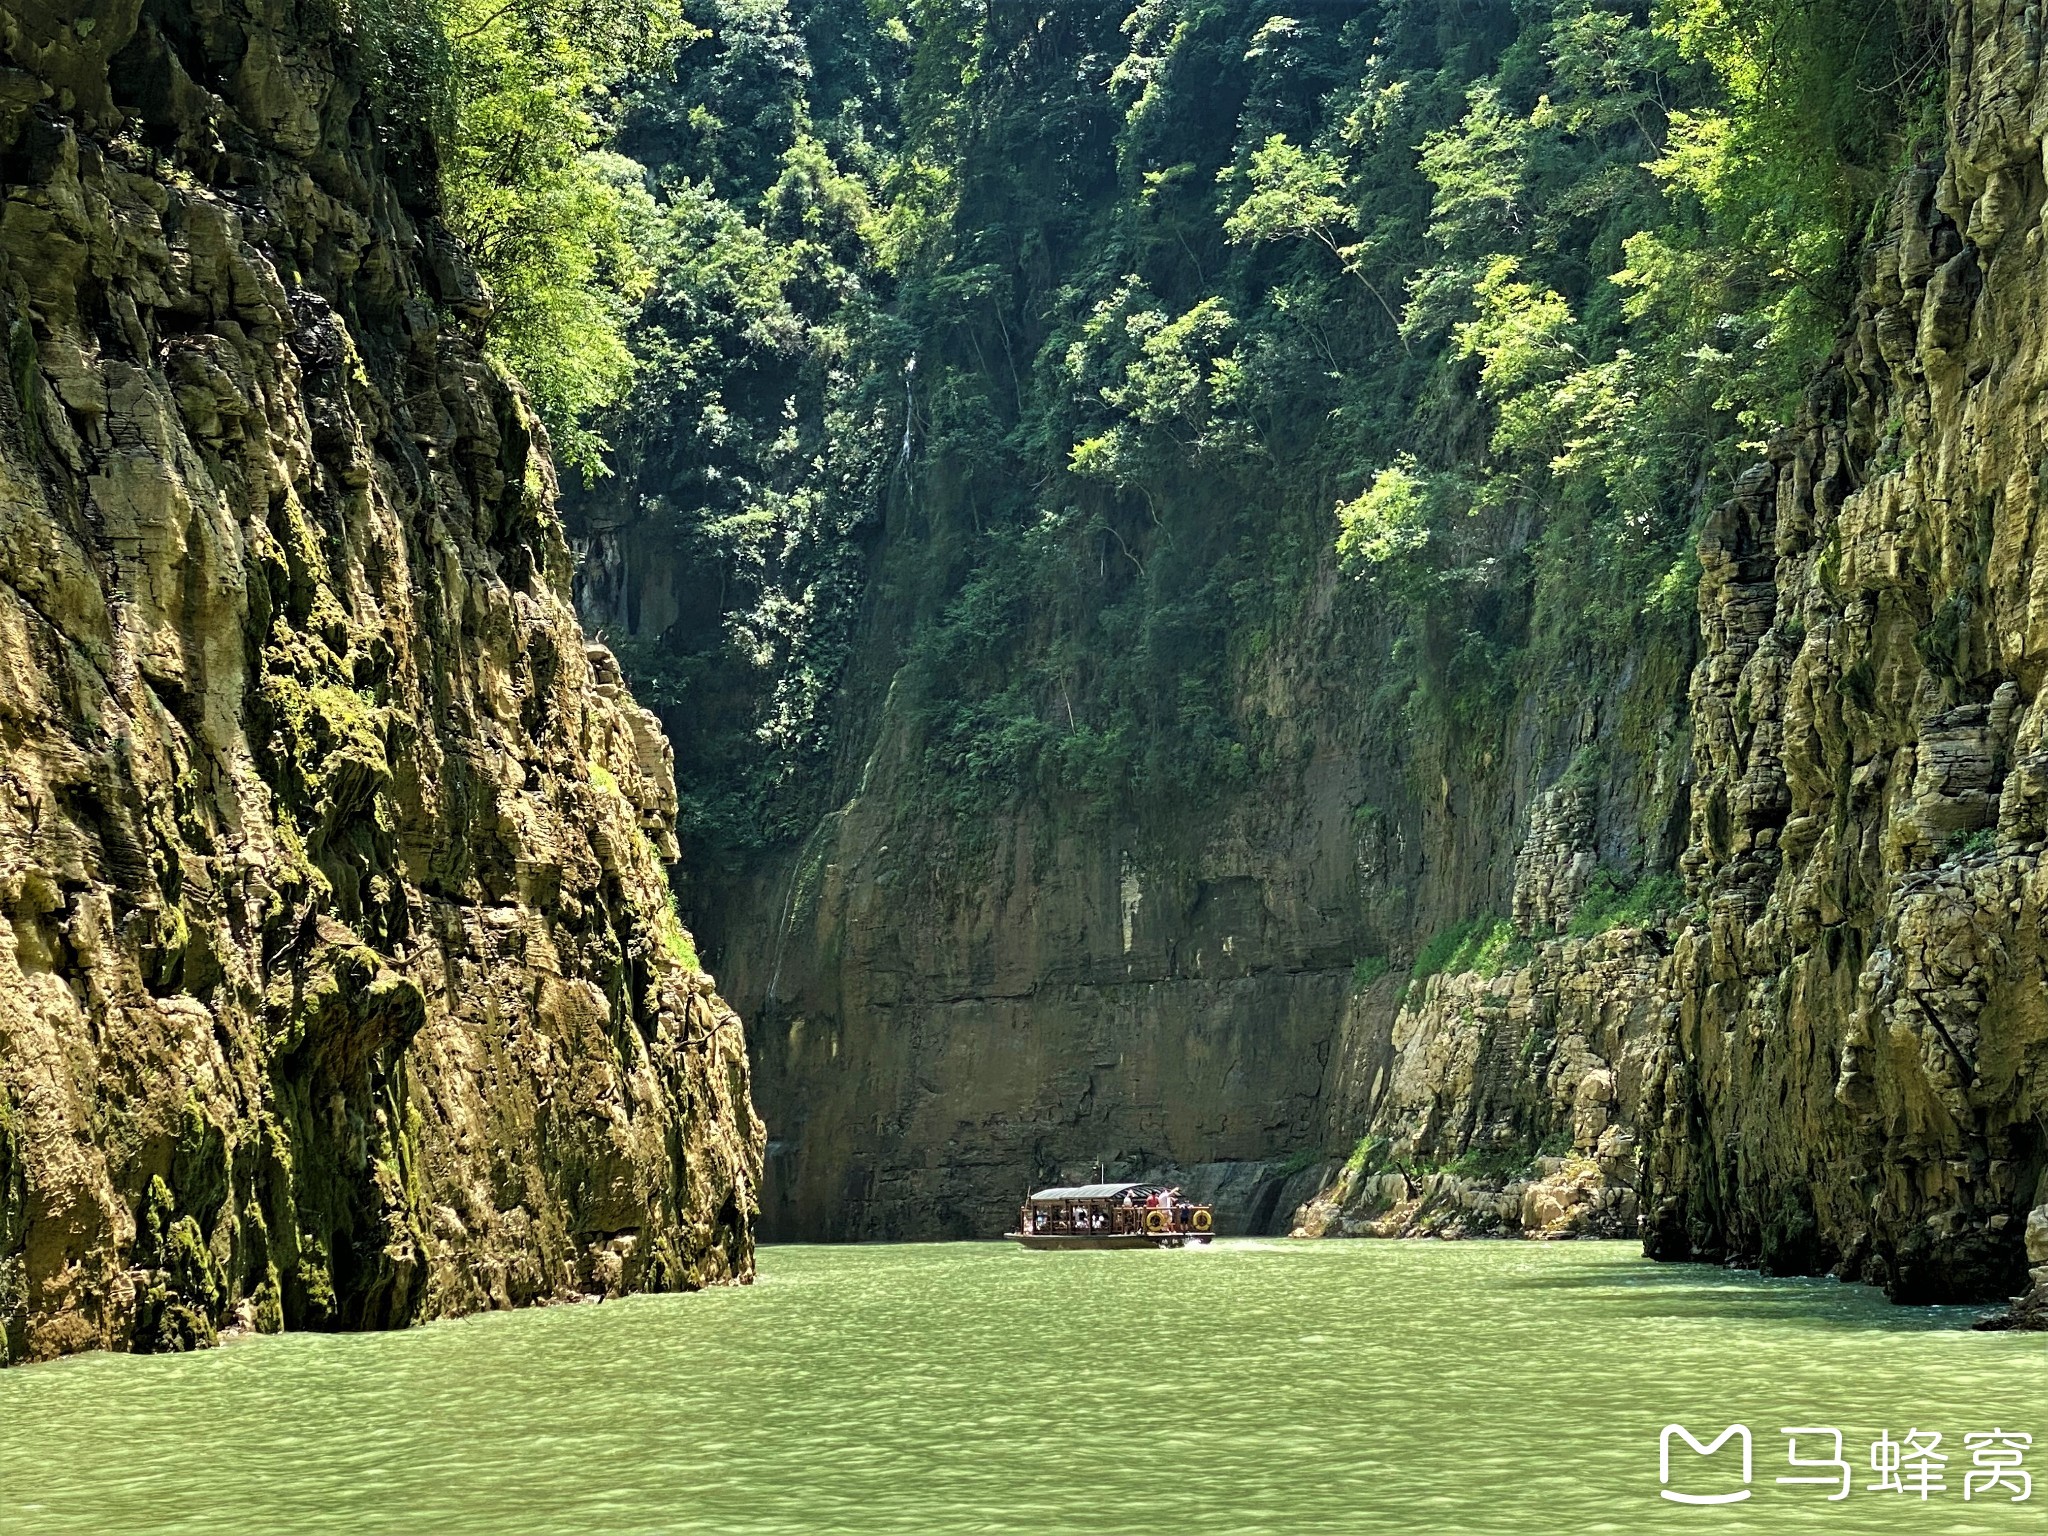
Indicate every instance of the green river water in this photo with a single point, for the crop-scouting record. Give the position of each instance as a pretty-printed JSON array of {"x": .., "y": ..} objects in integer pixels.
[{"x": 1261, "y": 1386}]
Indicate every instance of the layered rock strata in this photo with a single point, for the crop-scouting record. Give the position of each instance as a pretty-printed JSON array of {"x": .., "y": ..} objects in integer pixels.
[
  {"x": 1506, "y": 1105},
  {"x": 339, "y": 981}
]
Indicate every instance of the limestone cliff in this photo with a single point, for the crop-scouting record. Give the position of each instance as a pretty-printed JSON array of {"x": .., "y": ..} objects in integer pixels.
[
  {"x": 1852, "y": 1074},
  {"x": 1062, "y": 796},
  {"x": 946, "y": 1011},
  {"x": 1477, "y": 1071},
  {"x": 1837, "y": 1066},
  {"x": 341, "y": 985}
]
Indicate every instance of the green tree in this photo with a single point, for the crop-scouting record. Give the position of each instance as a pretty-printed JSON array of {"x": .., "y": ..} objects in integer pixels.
[
  {"x": 1291, "y": 193},
  {"x": 559, "y": 227},
  {"x": 1385, "y": 522}
]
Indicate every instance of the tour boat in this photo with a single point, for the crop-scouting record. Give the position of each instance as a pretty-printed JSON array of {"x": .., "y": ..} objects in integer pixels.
[{"x": 1112, "y": 1216}]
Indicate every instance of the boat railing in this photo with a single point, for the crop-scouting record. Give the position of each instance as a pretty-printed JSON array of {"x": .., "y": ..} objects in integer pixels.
[{"x": 1113, "y": 1219}]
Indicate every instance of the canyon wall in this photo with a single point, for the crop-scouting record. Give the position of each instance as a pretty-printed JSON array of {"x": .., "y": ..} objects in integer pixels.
[
  {"x": 947, "y": 1011},
  {"x": 1836, "y": 1066},
  {"x": 1852, "y": 1076},
  {"x": 1507, "y": 1104},
  {"x": 1478, "y": 893},
  {"x": 341, "y": 984}
]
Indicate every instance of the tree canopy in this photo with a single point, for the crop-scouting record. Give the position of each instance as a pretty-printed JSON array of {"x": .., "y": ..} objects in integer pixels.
[{"x": 1142, "y": 313}]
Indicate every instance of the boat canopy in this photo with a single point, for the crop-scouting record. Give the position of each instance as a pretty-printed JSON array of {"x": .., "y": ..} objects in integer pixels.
[{"x": 1095, "y": 1191}]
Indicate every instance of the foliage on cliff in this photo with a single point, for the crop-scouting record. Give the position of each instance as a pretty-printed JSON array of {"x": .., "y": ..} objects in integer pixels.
[
  {"x": 518, "y": 100},
  {"x": 1143, "y": 314},
  {"x": 761, "y": 435},
  {"x": 556, "y": 222}
]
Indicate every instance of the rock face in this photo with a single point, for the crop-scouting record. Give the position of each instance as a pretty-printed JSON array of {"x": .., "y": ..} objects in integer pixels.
[
  {"x": 947, "y": 1012},
  {"x": 340, "y": 985},
  {"x": 944, "y": 1027},
  {"x": 1852, "y": 1076},
  {"x": 1552, "y": 1056},
  {"x": 1838, "y": 1067}
]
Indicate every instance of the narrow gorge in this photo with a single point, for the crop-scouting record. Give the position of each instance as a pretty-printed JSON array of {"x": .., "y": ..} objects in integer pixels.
[
  {"x": 1622, "y": 816},
  {"x": 1417, "y": 618}
]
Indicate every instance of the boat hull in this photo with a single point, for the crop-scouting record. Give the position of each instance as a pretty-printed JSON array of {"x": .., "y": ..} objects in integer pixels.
[{"x": 1053, "y": 1241}]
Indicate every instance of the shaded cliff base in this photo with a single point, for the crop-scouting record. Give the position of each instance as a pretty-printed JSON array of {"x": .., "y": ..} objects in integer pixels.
[
  {"x": 1531, "y": 1103},
  {"x": 1256, "y": 1198},
  {"x": 1546, "y": 1100}
]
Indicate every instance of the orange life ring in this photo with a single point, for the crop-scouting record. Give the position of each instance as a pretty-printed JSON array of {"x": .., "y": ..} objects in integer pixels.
[
  {"x": 1201, "y": 1221},
  {"x": 1157, "y": 1220}
]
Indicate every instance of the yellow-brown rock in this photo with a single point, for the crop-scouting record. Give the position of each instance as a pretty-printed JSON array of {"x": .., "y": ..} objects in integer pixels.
[
  {"x": 1851, "y": 1079},
  {"x": 1839, "y": 1065},
  {"x": 339, "y": 981}
]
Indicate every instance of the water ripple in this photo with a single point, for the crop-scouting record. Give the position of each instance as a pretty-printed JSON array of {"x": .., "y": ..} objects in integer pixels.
[{"x": 1260, "y": 1387}]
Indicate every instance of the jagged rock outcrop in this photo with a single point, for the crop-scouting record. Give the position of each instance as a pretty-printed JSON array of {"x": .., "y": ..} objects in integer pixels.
[
  {"x": 339, "y": 983},
  {"x": 1508, "y": 1103},
  {"x": 1557, "y": 858},
  {"x": 1851, "y": 1076}
]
